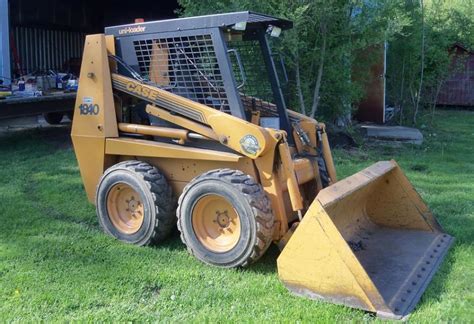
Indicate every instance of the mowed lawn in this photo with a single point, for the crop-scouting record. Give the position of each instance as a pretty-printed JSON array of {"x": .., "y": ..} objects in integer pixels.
[{"x": 56, "y": 264}]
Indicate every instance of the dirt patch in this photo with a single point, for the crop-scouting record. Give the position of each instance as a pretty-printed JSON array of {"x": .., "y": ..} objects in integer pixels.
[{"x": 340, "y": 138}]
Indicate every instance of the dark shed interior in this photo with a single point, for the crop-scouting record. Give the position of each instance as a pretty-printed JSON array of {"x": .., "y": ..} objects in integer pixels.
[
  {"x": 49, "y": 35},
  {"x": 90, "y": 16}
]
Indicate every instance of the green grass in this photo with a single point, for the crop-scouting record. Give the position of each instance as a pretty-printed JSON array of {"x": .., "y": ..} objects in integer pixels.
[{"x": 56, "y": 265}]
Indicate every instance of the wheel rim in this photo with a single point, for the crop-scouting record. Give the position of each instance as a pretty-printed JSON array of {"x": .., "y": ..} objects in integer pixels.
[
  {"x": 216, "y": 223},
  {"x": 125, "y": 208}
]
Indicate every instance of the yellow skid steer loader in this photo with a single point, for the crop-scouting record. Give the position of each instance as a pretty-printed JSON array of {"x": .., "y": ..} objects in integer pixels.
[{"x": 185, "y": 122}]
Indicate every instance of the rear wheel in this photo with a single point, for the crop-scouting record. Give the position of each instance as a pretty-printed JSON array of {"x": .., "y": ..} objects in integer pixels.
[
  {"x": 135, "y": 203},
  {"x": 225, "y": 218},
  {"x": 53, "y": 118},
  {"x": 70, "y": 115}
]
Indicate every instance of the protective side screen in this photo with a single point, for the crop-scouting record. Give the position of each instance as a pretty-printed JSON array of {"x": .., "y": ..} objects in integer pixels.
[
  {"x": 253, "y": 81},
  {"x": 186, "y": 66},
  {"x": 256, "y": 83}
]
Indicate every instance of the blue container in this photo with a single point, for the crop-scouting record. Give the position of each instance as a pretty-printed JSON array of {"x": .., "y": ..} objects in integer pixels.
[
  {"x": 59, "y": 82},
  {"x": 21, "y": 85}
]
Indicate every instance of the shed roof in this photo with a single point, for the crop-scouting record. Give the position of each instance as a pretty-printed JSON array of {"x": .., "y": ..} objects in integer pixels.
[{"x": 461, "y": 47}]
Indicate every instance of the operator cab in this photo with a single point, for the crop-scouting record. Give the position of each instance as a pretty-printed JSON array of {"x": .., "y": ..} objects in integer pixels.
[{"x": 223, "y": 61}]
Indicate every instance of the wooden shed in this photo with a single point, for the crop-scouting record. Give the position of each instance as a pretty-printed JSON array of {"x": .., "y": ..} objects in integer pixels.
[{"x": 458, "y": 89}]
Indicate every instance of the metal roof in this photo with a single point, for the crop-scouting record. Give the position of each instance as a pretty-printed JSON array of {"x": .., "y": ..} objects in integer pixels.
[{"x": 253, "y": 20}]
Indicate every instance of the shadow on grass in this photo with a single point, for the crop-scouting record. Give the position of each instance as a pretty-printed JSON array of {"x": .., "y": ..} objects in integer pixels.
[
  {"x": 461, "y": 227},
  {"x": 267, "y": 263},
  {"x": 55, "y": 137}
]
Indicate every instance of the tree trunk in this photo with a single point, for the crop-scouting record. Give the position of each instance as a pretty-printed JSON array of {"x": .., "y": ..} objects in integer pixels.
[
  {"x": 413, "y": 95},
  {"x": 298, "y": 87},
  {"x": 402, "y": 90},
  {"x": 417, "y": 104},
  {"x": 435, "y": 100},
  {"x": 317, "y": 87}
]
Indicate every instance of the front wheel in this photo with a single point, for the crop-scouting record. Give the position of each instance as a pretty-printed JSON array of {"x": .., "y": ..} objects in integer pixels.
[{"x": 225, "y": 218}]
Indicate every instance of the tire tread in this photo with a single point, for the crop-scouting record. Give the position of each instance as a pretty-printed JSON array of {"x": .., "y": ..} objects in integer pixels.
[
  {"x": 161, "y": 192},
  {"x": 257, "y": 199}
]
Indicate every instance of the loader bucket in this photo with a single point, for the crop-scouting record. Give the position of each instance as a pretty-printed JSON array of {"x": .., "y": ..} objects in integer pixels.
[{"x": 368, "y": 242}]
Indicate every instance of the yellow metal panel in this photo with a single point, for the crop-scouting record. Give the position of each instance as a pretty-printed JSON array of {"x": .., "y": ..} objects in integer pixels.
[
  {"x": 234, "y": 131},
  {"x": 137, "y": 147},
  {"x": 94, "y": 117},
  {"x": 95, "y": 89},
  {"x": 367, "y": 241},
  {"x": 393, "y": 201},
  {"x": 159, "y": 65},
  {"x": 110, "y": 44},
  {"x": 271, "y": 183},
  {"x": 304, "y": 172},
  {"x": 91, "y": 162},
  {"x": 310, "y": 127},
  {"x": 290, "y": 175},
  {"x": 174, "y": 133},
  {"x": 394, "y": 204},
  {"x": 181, "y": 121},
  {"x": 255, "y": 118},
  {"x": 311, "y": 265},
  {"x": 231, "y": 131},
  {"x": 179, "y": 171}
]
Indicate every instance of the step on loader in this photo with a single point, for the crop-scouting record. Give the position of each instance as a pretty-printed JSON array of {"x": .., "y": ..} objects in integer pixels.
[{"x": 184, "y": 122}]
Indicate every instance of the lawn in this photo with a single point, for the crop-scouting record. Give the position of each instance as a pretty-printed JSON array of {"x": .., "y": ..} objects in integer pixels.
[{"x": 56, "y": 264}]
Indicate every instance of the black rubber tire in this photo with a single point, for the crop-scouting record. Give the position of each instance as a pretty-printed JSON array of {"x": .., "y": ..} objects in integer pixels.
[
  {"x": 155, "y": 193},
  {"x": 252, "y": 206},
  {"x": 53, "y": 118},
  {"x": 70, "y": 115}
]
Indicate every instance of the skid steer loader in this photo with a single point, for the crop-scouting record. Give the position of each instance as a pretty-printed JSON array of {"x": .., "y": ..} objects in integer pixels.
[{"x": 185, "y": 122}]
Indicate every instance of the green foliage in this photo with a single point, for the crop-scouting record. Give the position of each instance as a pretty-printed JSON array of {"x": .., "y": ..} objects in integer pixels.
[
  {"x": 331, "y": 37},
  {"x": 56, "y": 265},
  {"x": 325, "y": 33},
  {"x": 442, "y": 24}
]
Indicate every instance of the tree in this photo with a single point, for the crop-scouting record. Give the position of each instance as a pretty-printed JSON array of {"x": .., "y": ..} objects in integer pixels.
[
  {"x": 419, "y": 56},
  {"x": 422, "y": 62},
  {"x": 327, "y": 35}
]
